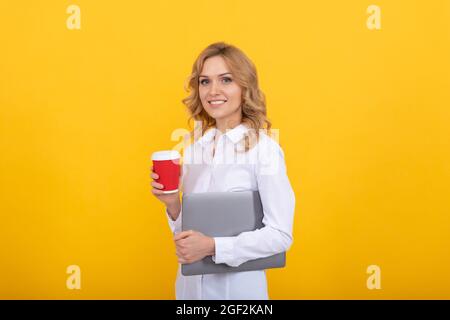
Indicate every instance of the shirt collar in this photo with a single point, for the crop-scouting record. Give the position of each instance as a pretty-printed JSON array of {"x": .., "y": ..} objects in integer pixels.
[{"x": 235, "y": 134}]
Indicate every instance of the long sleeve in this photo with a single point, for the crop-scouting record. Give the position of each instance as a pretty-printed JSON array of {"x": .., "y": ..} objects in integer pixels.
[
  {"x": 278, "y": 202},
  {"x": 175, "y": 225}
]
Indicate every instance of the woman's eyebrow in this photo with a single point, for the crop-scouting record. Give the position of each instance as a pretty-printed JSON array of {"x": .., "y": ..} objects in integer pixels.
[{"x": 222, "y": 74}]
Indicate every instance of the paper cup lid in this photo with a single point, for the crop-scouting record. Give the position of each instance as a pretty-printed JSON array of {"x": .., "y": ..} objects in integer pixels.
[{"x": 166, "y": 155}]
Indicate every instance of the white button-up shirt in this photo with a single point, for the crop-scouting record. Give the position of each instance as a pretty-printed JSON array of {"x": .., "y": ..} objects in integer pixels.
[{"x": 231, "y": 169}]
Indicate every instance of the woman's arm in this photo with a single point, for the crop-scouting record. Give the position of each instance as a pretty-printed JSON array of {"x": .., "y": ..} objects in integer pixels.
[
  {"x": 278, "y": 202},
  {"x": 171, "y": 212},
  {"x": 174, "y": 210}
]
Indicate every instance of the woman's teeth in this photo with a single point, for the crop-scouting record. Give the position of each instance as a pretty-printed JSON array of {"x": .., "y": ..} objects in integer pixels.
[{"x": 217, "y": 102}]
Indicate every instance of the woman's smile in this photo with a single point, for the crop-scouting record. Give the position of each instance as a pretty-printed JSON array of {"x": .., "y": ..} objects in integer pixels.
[{"x": 216, "y": 103}]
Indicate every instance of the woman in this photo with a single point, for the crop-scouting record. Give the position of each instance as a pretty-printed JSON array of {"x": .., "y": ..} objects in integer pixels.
[{"x": 233, "y": 153}]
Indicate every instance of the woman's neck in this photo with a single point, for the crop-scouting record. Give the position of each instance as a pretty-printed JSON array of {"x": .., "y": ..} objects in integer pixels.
[{"x": 223, "y": 126}]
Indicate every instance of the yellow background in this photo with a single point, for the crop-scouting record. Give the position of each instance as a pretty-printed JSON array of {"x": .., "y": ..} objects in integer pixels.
[{"x": 363, "y": 118}]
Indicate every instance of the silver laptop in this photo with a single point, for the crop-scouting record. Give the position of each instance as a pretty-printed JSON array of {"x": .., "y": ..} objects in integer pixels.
[{"x": 225, "y": 214}]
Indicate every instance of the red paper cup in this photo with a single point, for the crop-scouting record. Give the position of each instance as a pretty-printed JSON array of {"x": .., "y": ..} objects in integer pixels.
[{"x": 167, "y": 165}]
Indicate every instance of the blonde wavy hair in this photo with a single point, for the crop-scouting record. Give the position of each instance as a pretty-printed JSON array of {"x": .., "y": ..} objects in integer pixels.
[{"x": 254, "y": 113}]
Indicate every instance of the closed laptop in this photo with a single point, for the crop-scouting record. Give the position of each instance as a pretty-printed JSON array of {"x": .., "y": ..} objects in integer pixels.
[{"x": 225, "y": 214}]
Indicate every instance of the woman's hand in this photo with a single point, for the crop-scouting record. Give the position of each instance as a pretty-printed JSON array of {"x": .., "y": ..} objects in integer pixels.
[
  {"x": 170, "y": 200},
  {"x": 192, "y": 246}
]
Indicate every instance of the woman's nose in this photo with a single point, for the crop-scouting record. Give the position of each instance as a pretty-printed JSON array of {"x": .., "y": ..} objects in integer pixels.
[{"x": 214, "y": 88}]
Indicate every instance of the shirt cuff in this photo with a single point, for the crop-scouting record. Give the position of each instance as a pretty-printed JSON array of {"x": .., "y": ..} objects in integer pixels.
[
  {"x": 224, "y": 250},
  {"x": 175, "y": 225}
]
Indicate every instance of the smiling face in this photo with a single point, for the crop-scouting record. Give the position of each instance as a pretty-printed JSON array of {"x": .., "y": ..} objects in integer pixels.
[{"x": 220, "y": 94}]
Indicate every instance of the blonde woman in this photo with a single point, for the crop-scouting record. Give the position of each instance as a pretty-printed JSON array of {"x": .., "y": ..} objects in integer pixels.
[{"x": 233, "y": 152}]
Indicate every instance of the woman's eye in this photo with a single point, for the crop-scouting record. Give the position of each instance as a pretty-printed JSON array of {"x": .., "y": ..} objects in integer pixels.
[
  {"x": 227, "y": 80},
  {"x": 203, "y": 81}
]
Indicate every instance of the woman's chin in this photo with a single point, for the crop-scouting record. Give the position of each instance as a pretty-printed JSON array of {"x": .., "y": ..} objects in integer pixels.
[{"x": 216, "y": 114}]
